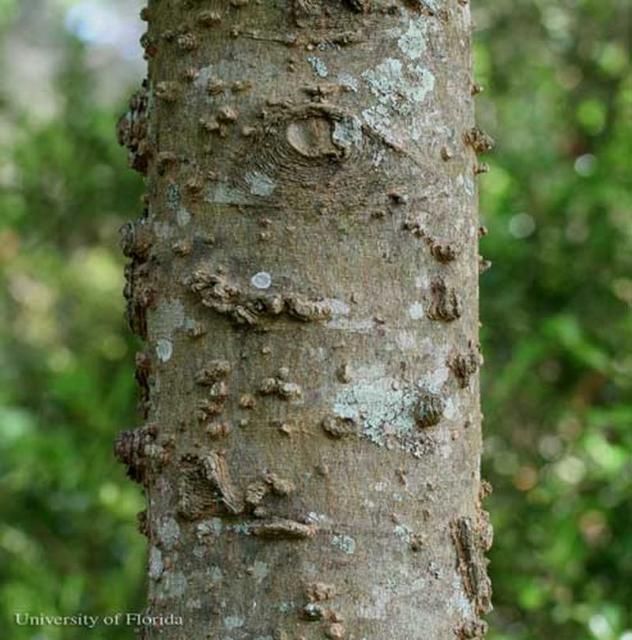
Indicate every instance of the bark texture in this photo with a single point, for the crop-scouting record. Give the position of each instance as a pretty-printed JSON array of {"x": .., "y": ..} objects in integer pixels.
[{"x": 305, "y": 277}]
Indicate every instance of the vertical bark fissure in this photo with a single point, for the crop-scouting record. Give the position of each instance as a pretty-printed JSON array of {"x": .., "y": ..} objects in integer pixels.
[{"x": 305, "y": 277}]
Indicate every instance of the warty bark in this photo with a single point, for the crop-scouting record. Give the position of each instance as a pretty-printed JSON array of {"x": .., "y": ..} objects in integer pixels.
[{"x": 305, "y": 278}]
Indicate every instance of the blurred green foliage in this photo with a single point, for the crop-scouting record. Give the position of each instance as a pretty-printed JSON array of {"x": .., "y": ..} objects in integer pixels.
[
  {"x": 557, "y": 335},
  {"x": 557, "y": 331},
  {"x": 68, "y": 540}
]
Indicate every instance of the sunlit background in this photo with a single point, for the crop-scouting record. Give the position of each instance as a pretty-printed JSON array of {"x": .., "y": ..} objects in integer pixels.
[{"x": 557, "y": 327}]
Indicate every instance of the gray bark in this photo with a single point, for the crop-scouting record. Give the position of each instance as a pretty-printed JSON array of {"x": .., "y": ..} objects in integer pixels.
[{"x": 305, "y": 277}]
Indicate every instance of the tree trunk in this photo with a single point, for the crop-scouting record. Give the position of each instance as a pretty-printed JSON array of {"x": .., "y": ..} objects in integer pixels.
[{"x": 305, "y": 277}]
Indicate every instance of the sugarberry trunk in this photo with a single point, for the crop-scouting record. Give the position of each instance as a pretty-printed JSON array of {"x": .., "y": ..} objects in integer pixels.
[{"x": 305, "y": 279}]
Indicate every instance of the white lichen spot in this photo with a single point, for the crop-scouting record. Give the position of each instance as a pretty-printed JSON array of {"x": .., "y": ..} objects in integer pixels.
[
  {"x": 156, "y": 566},
  {"x": 318, "y": 65},
  {"x": 193, "y": 604},
  {"x": 435, "y": 380},
  {"x": 163, "y": 230},
  {"x": 422, "y": 282},
  {"x": 317, "y": 518},
  {"x": 412, "y": 43},
  {"x": 379, "y": 119},
  {"x": 433, "y": 5},
  {"x": 406, "y": 340},
  {"x": 234, "y": 622},
  {"x": 243, "y": 529},
  {"x": 261, "y": 280},
  {"x": 451, "y": 411},
  {"x": 164, "y": 489},
  {"x": 310, "y": 570},
  {"x": 206, "y": 528},
  {"x": 467, "y": 184},
  {"x": 460, "y": 602},
  {"x": 382, "y": 407},
  {"x": 346, "y": 544},
  {"x": 164, "y": 349},
  {"x": 340, "y": 318},
  {"x": 168, "y": 532},
  {"x": 215, "y": 573},
  {"x": 168, "y": 316},
  {"x": 173, "y": 197},
  {"x": 203, "y": 76},
  {"x": 348, "y": 81},
  {"x": 260, "y": 184},
  {"x": 378, "y": 157},
  {"x": 216, "y": 525},
  {"x": 260, "y": 570},
  {"x": 347, "y": 133},
  {"x": 403, "y": 532},
  {"x": 319, "y": 353},
  {"x": 390, "y": 84},
  {"x": 183, "y": 217},
  {"x": 338, "y": 307},
  {"x": 416, "y": 311},
  {"x": 174, "y": 584},
  {"x": 425, "y": 83},
  {"x": 398, "y": 89},
  {"x": 385, "y": 79},
  {"x": 222, "y": 193}
]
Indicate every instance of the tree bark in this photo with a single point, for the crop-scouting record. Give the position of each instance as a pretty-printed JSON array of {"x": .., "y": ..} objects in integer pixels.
[{"x": 305, "y": 277}]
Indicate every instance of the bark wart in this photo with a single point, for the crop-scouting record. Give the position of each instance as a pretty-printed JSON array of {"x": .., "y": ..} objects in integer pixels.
[{"x": 305, "y": 278}]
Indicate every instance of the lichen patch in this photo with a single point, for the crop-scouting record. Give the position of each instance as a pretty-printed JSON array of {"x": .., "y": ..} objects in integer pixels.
[
  {"x": 260, "y": 184},
  {"x": 412, "y": 43},
  {"x": 386, "y": 412},
  {"x": 164, "y": 349},
  {"x": 346, "y": 544},
  {"x": 398, "y": 88}
]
